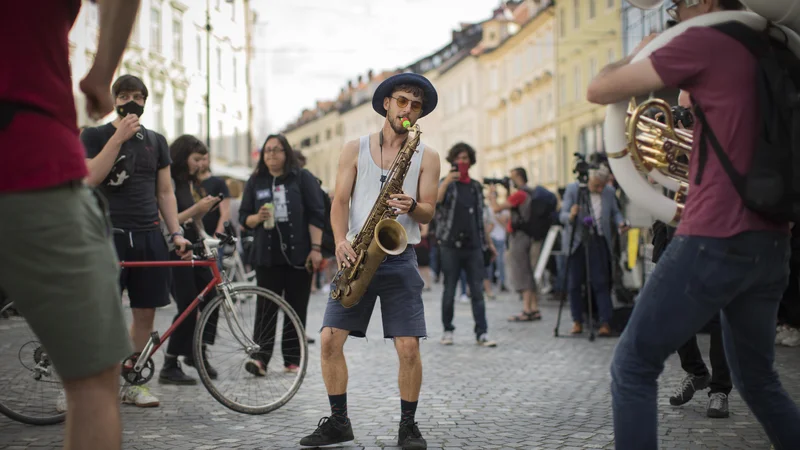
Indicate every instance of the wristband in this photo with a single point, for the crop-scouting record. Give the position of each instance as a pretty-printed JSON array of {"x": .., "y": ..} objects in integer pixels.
[
  {"x": 316, "y": 246},
  {"x": 172, "y": 236},
  {"x": 413, "y": 206}
]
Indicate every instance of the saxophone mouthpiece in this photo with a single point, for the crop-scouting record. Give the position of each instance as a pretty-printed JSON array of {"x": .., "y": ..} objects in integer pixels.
[{"x": 406, "y": 123}]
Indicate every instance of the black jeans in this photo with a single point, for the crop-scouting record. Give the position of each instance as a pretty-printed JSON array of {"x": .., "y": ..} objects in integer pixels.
[
  {"x": 187, "y": 282},
  {"x": 454, "y": 260},
  {"x": 295, "y": 287},
  {"x": 692, "y": 360}
]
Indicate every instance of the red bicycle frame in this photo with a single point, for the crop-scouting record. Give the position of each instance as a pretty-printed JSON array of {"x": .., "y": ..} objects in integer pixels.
[{"x": 212, "y": 263}]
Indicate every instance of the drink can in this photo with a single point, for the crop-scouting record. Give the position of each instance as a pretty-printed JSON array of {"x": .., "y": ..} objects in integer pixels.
[{"x": 269, "y": 223}]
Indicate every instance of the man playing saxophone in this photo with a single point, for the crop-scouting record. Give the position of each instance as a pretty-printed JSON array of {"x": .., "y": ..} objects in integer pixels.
[
  {"x": 364, "y": 167},
  {"x": 724, "y": 256}
]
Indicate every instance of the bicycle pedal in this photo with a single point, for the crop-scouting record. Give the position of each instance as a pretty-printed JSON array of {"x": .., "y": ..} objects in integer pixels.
[{"x": 156, "y": 339}]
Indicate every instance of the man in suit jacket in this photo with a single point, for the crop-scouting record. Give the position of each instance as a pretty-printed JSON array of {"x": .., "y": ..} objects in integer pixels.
[{"x": 597, "y": 218}]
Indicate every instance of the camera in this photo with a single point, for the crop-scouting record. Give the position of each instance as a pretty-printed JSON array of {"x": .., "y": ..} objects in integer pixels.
[
  {"x": 581, "y": 168},
  {"x": 505, "y": 182},
  {"x": 680, "y": 115}
]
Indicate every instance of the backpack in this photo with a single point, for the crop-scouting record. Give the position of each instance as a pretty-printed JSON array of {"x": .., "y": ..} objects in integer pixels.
[
  {"x": 772, "y": 185},
  {"x": 534, "y": 215}
]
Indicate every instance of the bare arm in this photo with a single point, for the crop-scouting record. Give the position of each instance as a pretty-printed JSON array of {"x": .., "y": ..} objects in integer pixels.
[
  {"x": 622, "y": 80},
  {"x": 345, "y": 180},
  {"x": 224, "y": 214},
  {"x": 166, "y": 200},
  {"x": 428, "y": 189}
]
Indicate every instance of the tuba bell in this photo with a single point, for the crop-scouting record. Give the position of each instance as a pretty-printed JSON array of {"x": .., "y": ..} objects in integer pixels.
[{"x": 640, "y": 147}]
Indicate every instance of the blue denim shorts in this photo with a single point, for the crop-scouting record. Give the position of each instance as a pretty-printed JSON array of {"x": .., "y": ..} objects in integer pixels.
[{"x": 398, "y": 283}]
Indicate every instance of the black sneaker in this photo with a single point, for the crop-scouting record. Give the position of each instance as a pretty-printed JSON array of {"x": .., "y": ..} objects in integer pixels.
[
  {"x": 212, "y": 372},
  {"x": 172, "y": 373},
  {"x": 409, "y": 437},
  {"x": 689, "y": 385},
  {"x": 330, "y": 431},
  {"x": 717, "y": 406}
]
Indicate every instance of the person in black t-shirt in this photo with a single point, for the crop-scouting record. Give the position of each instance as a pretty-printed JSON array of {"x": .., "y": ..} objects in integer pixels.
[
  {"x": 187, "y": 153},
  {"x": 130, "y": 167},
  {"x": 462, "y": 241},
  {"x": 214, "y": 221}
]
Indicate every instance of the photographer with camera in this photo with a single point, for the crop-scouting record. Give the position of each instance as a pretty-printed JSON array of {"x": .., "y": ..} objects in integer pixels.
[
  {"x": 595, "y": 221},
  {"x": 464, "y": 243},
  {"x": 532, "y": 210}
]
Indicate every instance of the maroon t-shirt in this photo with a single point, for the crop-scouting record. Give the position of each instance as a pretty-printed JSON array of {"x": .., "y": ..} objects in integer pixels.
[
  {"x": 719, "y": 72},
  {"x": 38, "y": 150}
]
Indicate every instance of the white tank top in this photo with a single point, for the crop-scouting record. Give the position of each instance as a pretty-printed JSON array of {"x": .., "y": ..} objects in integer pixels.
[{"x": 368, "y": 186}]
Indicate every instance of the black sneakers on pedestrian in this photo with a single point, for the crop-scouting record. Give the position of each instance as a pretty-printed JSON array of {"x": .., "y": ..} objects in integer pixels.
[
  {"x": 717, "y": 406},
  {"x": 409, "y": 437},
  {"x": 172, "y": 373},
  {"x": 330, "y": 431},
  {"x": 689, "y": 385}
]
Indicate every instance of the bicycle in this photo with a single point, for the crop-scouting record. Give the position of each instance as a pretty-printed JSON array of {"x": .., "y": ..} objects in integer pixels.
[{"x": 139, "y": 367}]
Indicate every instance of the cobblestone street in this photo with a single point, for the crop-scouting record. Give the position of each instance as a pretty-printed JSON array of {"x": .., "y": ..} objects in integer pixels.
[{"x": 532, "y": 391}]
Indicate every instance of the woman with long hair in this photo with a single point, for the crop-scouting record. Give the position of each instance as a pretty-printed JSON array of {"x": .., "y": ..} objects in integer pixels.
[
  {"x": 187, "y": 153},
  {"x": 282, "y": 203}
]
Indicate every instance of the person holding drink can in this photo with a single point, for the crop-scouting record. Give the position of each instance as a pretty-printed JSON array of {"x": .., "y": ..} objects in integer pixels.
[{"x": 282, "y": 204}]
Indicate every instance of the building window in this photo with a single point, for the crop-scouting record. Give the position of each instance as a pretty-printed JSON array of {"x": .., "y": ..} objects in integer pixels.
[
  {"x": 201, "y": 125},
  {"x": 235, "y": 74},
  {"x": 610, "y": 4},
  {"x": 592, "y": 68},
  {"x": 155, "y": 30},
  {"x": 235, "y": 142},
  {"x": 494, "y": 83},
  {"x": 178, "y": 118},
  {"x": 495, "y": 131},
  {"x": 328, "y": 134},
  {"x": 219, "y": 65},
  {"x": 592, "y": 6},
  {"x": 576, "y": 7},
  {"x": 158, "y": 112},
  {"x": 221, "y": 150},
  {"x": 611, "y": 55},
  {"x": 562, "y": 23},
  {"x": 577, "y": 85},
  {"x": 177, "y": 40},
  {"x": 135, "y": 31},
  {"x": 232, "y": 6},
  {"x": 562, "y": 83}
]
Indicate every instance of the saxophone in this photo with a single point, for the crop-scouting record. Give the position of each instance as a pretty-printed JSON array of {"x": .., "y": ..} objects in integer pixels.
[{"x": 381, "y": 234}]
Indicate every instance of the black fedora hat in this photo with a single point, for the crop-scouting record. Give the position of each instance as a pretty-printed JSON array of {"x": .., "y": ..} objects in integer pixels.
[{"x": 387, "y": 86}]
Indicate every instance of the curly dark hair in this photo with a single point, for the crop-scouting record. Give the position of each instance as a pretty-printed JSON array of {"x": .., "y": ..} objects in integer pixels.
[
  {"x": 291, "y": 162},
  {"x": 180, "y": 151},
  {"x": 460, "y": 148}
]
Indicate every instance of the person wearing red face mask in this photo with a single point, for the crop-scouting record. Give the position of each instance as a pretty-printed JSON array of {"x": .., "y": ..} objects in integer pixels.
[{"x": 463, "y": 241}]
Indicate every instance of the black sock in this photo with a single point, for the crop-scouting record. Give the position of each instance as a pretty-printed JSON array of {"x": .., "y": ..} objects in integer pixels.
[
  {"x": 339, "y": 406},
  {"x": 407, "y": 411}
]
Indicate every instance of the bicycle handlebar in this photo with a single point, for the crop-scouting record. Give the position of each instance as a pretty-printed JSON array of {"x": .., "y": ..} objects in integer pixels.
[{"x": 227, "y": 238}]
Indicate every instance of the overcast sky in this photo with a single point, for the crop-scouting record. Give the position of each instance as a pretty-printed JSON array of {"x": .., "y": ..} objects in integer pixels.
[{"x": 310, "y": 48}]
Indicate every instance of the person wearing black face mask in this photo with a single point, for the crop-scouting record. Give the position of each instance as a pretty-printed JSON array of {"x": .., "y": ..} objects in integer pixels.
[{"x": 131, "y": 167}]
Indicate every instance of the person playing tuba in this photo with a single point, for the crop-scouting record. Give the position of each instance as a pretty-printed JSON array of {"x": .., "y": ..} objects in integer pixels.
[{"x": 724, "y": 256}]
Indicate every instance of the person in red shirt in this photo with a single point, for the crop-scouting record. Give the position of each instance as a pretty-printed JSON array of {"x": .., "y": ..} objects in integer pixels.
[
  {"x": 53, "y": 227},
  {"x": 724, "y": 256}
]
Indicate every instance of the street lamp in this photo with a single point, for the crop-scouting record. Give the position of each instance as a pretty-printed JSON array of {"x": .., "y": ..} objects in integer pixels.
[{"x": 208, "y": 72}]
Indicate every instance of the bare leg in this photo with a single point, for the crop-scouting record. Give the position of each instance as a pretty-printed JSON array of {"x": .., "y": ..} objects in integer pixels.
[
  {"x": 142, "y": 326},
  {"x": 334, "y": 366},
  {"x": 410, "y": 374},
  {"x": 487, "y": 287},
  {"x": 425, "y": 273},
  {"x": 93, "y": 419},
  {"x": 531, "y": 302}
]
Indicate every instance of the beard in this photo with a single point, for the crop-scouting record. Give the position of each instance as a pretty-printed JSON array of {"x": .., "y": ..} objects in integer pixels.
[{"x": 397, "y": 123}]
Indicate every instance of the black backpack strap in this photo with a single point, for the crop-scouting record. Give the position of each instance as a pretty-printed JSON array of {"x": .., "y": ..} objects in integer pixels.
[
  {"x": 707, "y": 134},
  {"x": 757, "y": 42}
]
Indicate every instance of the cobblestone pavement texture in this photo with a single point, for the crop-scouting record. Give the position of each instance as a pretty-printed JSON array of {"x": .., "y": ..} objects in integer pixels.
[{"x": 532, "y": 391}]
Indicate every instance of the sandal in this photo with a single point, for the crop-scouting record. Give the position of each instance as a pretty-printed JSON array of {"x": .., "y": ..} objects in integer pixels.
[{"x": 526, "y": 317}]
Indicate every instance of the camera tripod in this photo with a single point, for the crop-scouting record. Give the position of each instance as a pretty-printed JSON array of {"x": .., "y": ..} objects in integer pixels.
[{"x": 583, "y": 201}]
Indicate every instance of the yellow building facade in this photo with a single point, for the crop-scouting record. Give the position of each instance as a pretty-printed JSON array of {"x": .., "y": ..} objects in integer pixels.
[
  {"x": 588, "y": 38},
  {"x": 519, "y": 101}
]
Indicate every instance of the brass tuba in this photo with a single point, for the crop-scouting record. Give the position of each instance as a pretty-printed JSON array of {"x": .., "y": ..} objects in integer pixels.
[
  {"x": 381, "y": 234},
  {"x": 638, "y": 145}
]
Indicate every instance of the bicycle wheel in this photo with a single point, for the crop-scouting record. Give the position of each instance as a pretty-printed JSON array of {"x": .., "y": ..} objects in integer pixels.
[
  {"x": 29, "y": 385},
  {"x": 227, "y": 329}
]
